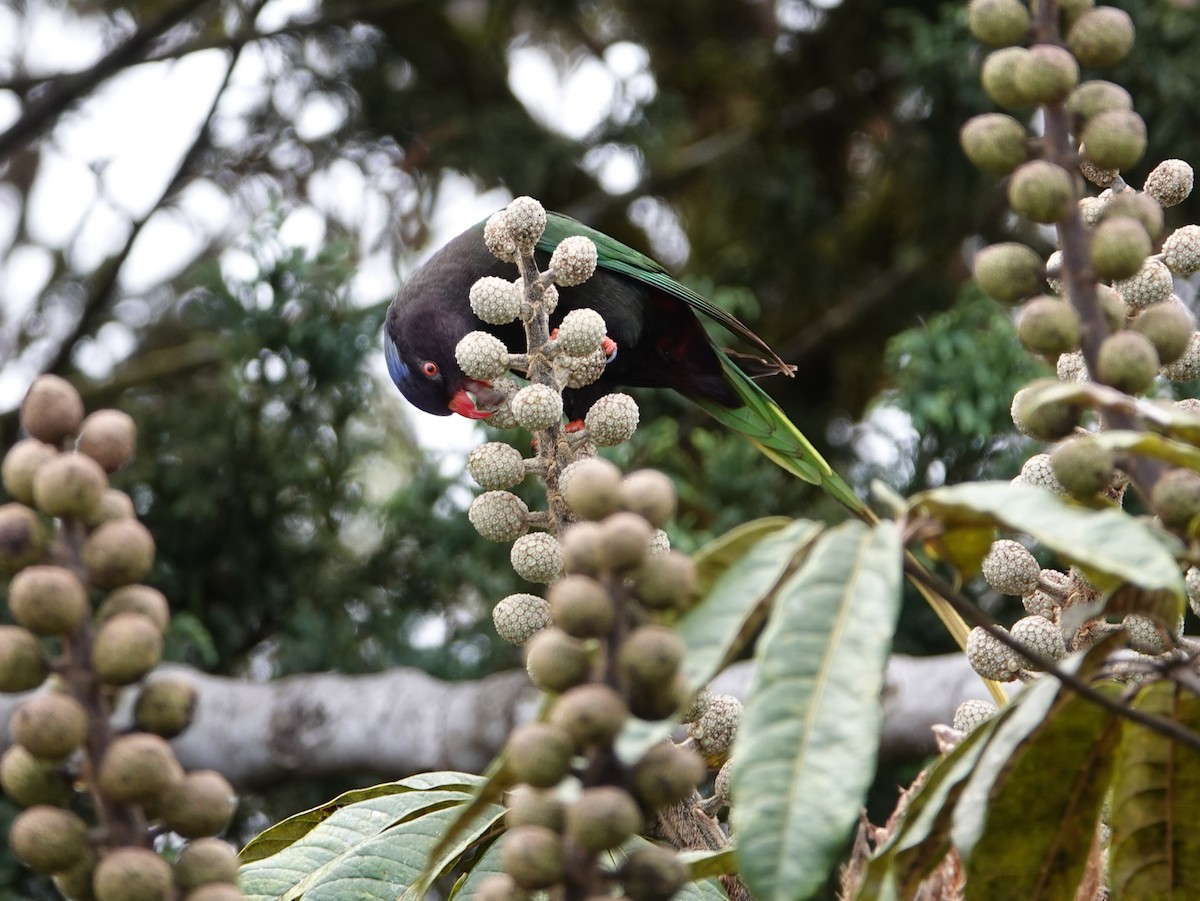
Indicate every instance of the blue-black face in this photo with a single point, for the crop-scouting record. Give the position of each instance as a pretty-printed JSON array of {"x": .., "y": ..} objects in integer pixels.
[{"x": 422, "y": 382}]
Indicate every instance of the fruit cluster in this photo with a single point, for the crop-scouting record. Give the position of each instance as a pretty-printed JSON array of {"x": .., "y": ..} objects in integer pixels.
[{"x": 70, "y": 539}]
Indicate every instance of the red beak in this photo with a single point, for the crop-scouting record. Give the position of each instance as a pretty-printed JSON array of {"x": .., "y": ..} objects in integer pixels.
[{"x": 464, "y": 405}]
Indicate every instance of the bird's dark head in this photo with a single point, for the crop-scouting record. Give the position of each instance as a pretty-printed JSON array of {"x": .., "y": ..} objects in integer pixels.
[{"x": 420, "y": 360}]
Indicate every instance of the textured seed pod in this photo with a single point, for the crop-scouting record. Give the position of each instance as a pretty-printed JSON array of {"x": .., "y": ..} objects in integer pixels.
[
  {"x": 555, "y": 661},
  {"x": 602, "y": 818},
  {"x": 1040, "y": 603},
  {"x": 1048, "y": 325},
  {"x": 496, "y": 301},
  {"x": 1127, "y": 361},
  {"x": 498, "y": 239},
  {"x": 999, "y": 23},
  {"x": 698, "y": 705},
  {"x": 1187, "y": 367},
  {"x": 1009, "y": 272},
  {"x": 666, "y": 774},
  {"x": 1170, "y": 182},
  {"x": 1055, "y": 272},
  {"x": 666, "y": 581},
  {"x": 526, "y": 221},
  {"x": 999, "y": 77},
  {"x": 581, "y": 332},
  {"x": 650, "y": 494},
  {"x": 496, "y": 466},
  {"x": 1144, "y": 634},
  {"x": 199, "y": 805},
  {"x": 498, "y": 515},
  {"x": 537, "y": 407},
  {"x": 70, "y": 484},
  {"x": 1114, "y": 140},
  {"x": 717, "y": 727},
  {"x": 1010, "y": 568},
  {"x": 583, "y": 371},
  {"x": 1071, "y": 367},
  {"x": 138, "y": 768},
  {"x": 624, "y": 540},
  {"x": 22, "y": 537},
  {"x": 1040, "y": 636},
  {"x": 995, "y": 142},
  {"x": 47, "y": 839},
  {"x": 1168, "y": 326},
  {"x": 970, "y": 714},
  {"x": 21, "y": 463},
  {"x": 591, "y": 487},
  {"x": 1176, "y": 498},
  {"x": 581, "y": 606},
  {"x": 1181, "y": 250},
  {"x": 149, "y": 602},
  {"x": 52, "y": 409},
  {"x": 132, "y": 874},
  {"x": 22, "y": 663},
  {"x": 533, "y": 856},
  {"x": 1038, "y": 472},
  {"x": 653, "y": 873},
  {"x": 573, "y": 261},
  {"x": 482, "y": 356},
  {"x": 118, "y": 553},
  {"x": 1043, "y": 420},
  {"x": 126, "y": 647},
  {"x": 989, "y": 657},
  {"x": 1091, "y": 208},
  {"x": 28, "y": 780},
  {"x": 1101, "y": 37},
  {"x": 660, "y": 543},
  {"x": 1151, "y": 284},
  {"x": 1096, "y": 96},
  {"x": 612, "y": 419},
  {"x": 1083, "y": 466},
  {"x": 1041, "y": 191},
  {"x": 1047, "y": 73},
  {"x": 1102, "y": 178},
  {"x": 49, "y": 726},
  {"x": 591, "y": 714},
  {"x": 537, "y": 557},
  {"x": 204, "y": 861},
  {"x": 1192, "y": 582},
  {"x": 109, "y": 437},
  {"x": 1189, "y": 405},
  {"x": 519, "y": 617},
  {"x": 165, "y": 706},
  {"x": 539, "y": 754},
  {"x": 47, "y": 600},
  {"x": 1119, "y": 247}
]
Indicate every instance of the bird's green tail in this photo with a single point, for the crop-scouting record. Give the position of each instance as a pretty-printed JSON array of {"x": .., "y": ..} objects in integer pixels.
[{"x": 767, "y": 427}]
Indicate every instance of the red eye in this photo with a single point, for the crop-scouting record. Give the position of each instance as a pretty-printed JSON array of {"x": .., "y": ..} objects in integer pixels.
[{"x": 430, "y": 368}]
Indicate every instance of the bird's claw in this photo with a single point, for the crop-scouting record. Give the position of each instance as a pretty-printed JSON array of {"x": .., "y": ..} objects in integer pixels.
[
  {"x": 609, "y": 346},
  {"x": 575, "y": 425}
]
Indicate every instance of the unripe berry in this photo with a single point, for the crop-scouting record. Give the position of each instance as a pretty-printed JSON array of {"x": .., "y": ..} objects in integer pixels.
[
  {"x": 49, "y": 726},
  {"x": 1095, "y": 97},
  {"x": 21, "y": 463},
  {"x": 138, "y": 768},
  {"x": 581, "y": 332},
  {"x": 592, "y": 714},
  {"x": 1047, "y": 325},
  {"x": 1101, "y": 36},
  {"x": 666, "y": 581},
  {"x": 612, "y": 419},
  {"x": 1136, "y": 206},
  {"x": 539, "y": 754},
  {"x": 52, "y": 409},
  {"x": 204, "y": 861},
  {"x": 70, "y": 484},
  {"x": 1114, "y": 140},
  {"x": 994, "y": 142},
  {"x": 1083, "y": 466},
  {"x": 165, "y": 706},
  {"x": 496, "y": 466},
  {"x": 1041, "y": 191},
  {"x": 1168, "y": 326},
  {"x": 649, "y": 655},
  {"x": 22, "y": 663},
  {"x": 482, "y": 356},
  {"x": 602, "y": 818},
  {"x": 1119, "y": 247},
  {"x": 537, "y": 407},
  {"x": 624, "y": 540},
  {"x": 22, "y": 537},
  {"x": 118, "y": 553},
  {"x": 1071, "y": 368},
  {"x": 971, "y": 713},
  {"x": 114, "y": 504},
  {"x": 573, "y": 261},
  {"x": 998, "y": 22},
  {"x": 650, "y": 494},
  {"x": 132, "y": 874},
  {"x": 583, "y": 370},
  {"x": 1038, "y": 473},
  {"x": 149, "y": 602},
  {"x": 715, "y": 730},
  {"x": 1170, "y": 182},
  {"x": 1127, "y": 361},
  {"x": 1145, "y": 637},
  {"x": 1009, "y": 272},
  {"x": 498, "y": 515},
  {"x": 582, "y": 549},
  {"x": 109, "y": 437},
  {"x": 581, "y": 606},
  {"x": 1175, "y": 498},
  {"x": 1040, "y": 636},
  {"x": 1010, "y": 568},
  {"x": 555, "y": 661},
  {"x": 199, "y": 805},
  {"x": 526, "y": 219},
  {"x": 1151, "y": 284},
  {"x": 29, "y": 780},
  {"x": 529, "y": 806},
  {"x": 532, "y": 856},
  {"x": 591, "y": 487},
  {"x": 537, "y": 557},
  {"x": 126, "y": 648},
  {"x": 666, "y": 774},
  {"x": 1047, "y": 73},
  {"x": 47, "y": 839},
  {"x": 498, "y": 887},
  {"x": 519, "y": 617},
  {"x": 999, "y": 77},
  {"x": 989, "y": 657},
  {"x": 498, "y": 238},
  {"x": 47, "y": 600},
  {"x": 653, "y": 873},
  {"x": 1181, "y": 250}
]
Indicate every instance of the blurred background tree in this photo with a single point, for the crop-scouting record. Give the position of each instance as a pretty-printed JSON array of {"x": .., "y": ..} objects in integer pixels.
[{"x": 205, "y": 206}]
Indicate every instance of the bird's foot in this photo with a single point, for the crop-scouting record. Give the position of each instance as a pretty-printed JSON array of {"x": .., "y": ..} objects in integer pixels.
[
  {"x": 609, "y": 346},
  {"x": 575, "y": 425}
]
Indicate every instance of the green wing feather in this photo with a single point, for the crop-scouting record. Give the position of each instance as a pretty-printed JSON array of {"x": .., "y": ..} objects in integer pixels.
[{"x": 760, "y": 419}]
